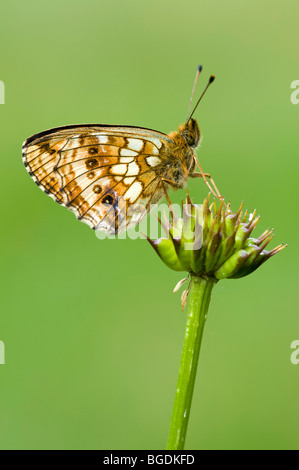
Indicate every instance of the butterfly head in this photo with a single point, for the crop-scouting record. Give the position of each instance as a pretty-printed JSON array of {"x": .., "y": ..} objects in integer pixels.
[{"x": 191, "y": 133}]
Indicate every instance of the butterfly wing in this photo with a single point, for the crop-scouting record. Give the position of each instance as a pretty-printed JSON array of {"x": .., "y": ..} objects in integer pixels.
[{"x": 107, "y": 175}]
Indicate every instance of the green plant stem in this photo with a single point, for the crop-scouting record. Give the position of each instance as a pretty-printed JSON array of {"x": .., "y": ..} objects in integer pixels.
[{"x": 200, "y": 295}]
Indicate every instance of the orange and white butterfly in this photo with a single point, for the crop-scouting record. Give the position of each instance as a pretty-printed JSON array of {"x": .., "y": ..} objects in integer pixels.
[{"x": 101, "y": 171}]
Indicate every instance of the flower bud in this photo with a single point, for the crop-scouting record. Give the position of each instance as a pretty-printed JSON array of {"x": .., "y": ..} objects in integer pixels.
[{"x": 213, "y": 242}]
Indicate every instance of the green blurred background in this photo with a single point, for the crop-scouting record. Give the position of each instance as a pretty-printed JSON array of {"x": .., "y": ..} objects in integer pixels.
[{"x": 92, "y": 331}]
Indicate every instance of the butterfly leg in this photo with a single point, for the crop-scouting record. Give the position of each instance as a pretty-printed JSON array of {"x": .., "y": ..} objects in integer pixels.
[
  {"x": 214, "y": 190},
  {"x": 169, "y": 203},
  {"x": 212, "y": 187}
]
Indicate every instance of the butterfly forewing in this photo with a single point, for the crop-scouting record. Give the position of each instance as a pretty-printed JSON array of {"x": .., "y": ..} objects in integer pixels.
[{"x": 99, "y": 172}]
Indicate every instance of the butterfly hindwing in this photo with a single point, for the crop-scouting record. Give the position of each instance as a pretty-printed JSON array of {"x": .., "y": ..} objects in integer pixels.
[{"x": 99, "y": 172}]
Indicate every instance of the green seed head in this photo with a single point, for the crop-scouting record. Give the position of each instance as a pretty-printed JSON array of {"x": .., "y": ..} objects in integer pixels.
[{"x": 214, "y": 242}]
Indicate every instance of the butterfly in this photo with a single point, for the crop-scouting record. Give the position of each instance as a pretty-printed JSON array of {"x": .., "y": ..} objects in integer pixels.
[{"x": 109, "y": 176}]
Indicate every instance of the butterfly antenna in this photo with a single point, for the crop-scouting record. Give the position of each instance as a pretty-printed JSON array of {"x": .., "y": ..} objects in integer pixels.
[
  {"x": 199, "y": 69},
  {"x": 212, "y": 78}
]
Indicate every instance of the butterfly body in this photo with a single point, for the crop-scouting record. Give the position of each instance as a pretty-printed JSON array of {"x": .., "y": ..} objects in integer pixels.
[{"x": 110, "y": 175}]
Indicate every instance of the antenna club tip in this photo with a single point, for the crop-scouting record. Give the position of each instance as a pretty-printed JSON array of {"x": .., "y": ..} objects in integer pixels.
[
  {"x": 199, "y": 68},
  {"x": 212, "y": 78}
]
